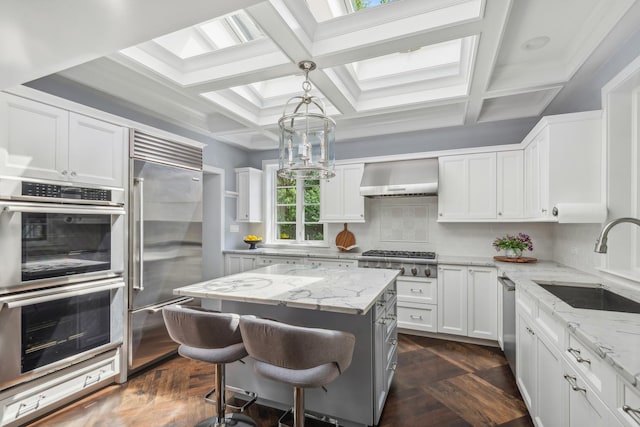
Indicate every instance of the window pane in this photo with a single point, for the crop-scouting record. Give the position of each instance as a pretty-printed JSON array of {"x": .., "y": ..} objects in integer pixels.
[
  {"x": 314, "y": 232},
  {"x": 282, "y": 182},
  {"x": 286, "y": 214},
  {"x": 312, "y": 213},
  {"x": 287, "y": 231},
  {"x": 312, "y": 194},
  {"x": 286, "y": 196}
]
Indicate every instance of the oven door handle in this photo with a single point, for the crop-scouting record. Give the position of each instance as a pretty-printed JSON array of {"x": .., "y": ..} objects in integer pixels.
[
  {"x": 60, "y": 209},
  {"x": 47, "y": 295}
]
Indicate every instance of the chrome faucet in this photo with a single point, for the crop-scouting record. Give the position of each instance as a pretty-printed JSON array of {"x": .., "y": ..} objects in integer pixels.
[{"x": 601, "y": 244}]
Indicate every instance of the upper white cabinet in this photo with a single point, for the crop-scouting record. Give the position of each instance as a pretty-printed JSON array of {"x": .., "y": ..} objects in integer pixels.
[
  {"x": 467, "y": 187},
  {"x": 562, "y": 163},
  {"x": 249, "y": 188},
  {"x": 45, "y": 142},
  {"x": 340, "y": 199},
  {"x": 510, "y": 184}
]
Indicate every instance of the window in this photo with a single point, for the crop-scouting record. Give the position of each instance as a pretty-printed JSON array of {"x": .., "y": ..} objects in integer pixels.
[{"x": 295, "y": 210}]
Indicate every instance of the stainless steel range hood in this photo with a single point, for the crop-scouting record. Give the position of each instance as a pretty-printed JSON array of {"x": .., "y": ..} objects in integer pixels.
[{"x": 400, "y": 178}]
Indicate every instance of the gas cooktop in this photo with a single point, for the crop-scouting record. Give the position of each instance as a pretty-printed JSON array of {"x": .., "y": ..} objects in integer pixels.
[{"x": 399, "y": 254}]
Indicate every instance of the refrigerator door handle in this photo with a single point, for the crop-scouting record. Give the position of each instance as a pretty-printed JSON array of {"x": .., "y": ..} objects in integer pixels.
[{"x": 139, "y": 281}]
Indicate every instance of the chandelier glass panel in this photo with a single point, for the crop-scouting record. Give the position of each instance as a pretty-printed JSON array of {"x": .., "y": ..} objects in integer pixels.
[{"x": 307, "y": 135}]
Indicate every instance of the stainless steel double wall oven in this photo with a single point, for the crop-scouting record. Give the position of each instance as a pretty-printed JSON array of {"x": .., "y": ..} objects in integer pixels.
[{"x": 61, "y": 281}]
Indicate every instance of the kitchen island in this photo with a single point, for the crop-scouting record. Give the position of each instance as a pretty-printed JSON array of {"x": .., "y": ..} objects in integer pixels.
[{"x": 357, "y": 300}]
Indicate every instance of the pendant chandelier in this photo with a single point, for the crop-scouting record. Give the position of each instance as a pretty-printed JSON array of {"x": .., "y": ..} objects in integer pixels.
[{"x": 307, "y": 136}]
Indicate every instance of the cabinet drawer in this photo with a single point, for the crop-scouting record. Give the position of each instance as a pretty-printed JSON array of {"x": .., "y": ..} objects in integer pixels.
[
  {"x": 419, "y": 290},
  {"x": 552, "y": 328},
  {"x": 628, "y": 408},
  {"x": 526, "y": 304},
  {"x": 593, "y": 368},
  {"x": 24, "y": 404},
  {"x": 419, "y": 317}
]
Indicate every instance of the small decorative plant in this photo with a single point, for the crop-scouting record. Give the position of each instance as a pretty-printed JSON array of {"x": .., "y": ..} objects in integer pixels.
[{"x": 514, "y": 245}]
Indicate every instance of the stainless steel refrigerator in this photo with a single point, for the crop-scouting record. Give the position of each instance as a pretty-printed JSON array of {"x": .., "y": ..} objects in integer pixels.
[{"x": 165, "y": 235}]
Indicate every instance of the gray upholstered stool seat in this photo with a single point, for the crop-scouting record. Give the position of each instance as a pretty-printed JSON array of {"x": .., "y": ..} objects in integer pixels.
[
  {"x": 215, "y": 338},
  {"x": 298, "y": 356}
]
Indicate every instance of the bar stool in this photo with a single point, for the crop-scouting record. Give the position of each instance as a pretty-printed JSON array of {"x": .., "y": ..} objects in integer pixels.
[
  {"x": 211, "y": 337},
  {"x": 298, "y": 356}
]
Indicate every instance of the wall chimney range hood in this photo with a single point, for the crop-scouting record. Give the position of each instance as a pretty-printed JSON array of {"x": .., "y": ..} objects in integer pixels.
[{"x": 402, "y": 178}]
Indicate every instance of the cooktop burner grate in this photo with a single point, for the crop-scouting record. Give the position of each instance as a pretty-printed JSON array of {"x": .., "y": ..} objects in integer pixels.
[{"x": 399, "y": 254}]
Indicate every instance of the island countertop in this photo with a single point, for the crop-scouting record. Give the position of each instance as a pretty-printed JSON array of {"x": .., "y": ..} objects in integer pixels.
[{"x": 340, "y": 290}]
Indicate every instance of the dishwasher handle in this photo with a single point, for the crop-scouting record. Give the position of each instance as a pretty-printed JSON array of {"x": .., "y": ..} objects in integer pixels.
[{"x": 507, "y": 283}]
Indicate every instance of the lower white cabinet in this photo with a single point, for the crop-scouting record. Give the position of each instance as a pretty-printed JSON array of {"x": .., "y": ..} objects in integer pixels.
[
  {"x": 236, "y": 263},
  {"x": 468, "y": 301},
  {"x": 582, "y": 405},
  {"x": 417, "y": 303}
]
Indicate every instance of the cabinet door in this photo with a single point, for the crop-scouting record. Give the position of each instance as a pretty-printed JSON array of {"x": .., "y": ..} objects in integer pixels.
[
  {"x": 340, "y": 199},
  {"x": 536, "y": 185},
  {"x": 584, "y": 408},
  {"x": 481, "y": 193},
  {"x": 238, "y": 263},
  {"x": 549, "y": 403},
  {"x": 33, "y": 139},
  {"x": 96, "y": 151},
  {"x": 452, "y": 187},
  {"x": 510, "y": 184},
  {"x": 467, "y": 186},
  {"x": 482, "y": 285},
  {"x": 452, "y": 299},
  {"x": 249, "y": 188},
  {"x": 242, "y": 187},
  {"x": 526, "y": 363}
]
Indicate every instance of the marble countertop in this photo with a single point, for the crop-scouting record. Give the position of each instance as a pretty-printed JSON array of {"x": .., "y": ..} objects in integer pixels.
[
  {"x": 342, "y": 290},
  {"x": 613, "y": 336},
  {"x": 302, "y": 253}
]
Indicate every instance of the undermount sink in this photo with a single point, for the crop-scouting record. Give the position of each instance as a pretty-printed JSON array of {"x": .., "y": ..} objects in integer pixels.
[{"x": 591, "y": 297}]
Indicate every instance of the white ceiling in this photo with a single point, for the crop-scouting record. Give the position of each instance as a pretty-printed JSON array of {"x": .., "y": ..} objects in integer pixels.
[{"x": 404, "y": 66}]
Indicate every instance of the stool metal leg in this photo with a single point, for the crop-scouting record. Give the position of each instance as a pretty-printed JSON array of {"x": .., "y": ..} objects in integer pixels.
[{"x": 298, "y": 407}]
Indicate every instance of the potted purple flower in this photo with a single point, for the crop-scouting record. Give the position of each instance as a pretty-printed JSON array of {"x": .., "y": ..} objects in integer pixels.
[{"x": 513, "y": 245}]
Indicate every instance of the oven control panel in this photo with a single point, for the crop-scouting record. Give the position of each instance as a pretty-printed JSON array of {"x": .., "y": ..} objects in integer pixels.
[{"x": 37, "y": 189}]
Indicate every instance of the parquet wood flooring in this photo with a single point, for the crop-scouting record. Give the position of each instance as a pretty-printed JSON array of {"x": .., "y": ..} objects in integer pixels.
[{"x": 437, "y": 383}]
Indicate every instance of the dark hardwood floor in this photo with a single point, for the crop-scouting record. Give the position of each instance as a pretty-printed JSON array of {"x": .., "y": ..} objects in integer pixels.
[{"x": 438, "y": 383}]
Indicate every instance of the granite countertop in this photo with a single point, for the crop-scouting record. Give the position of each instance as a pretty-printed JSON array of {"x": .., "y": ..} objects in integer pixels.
[
  {"x": 341, "y": 290},
  {"x": 613, "y": 336}
]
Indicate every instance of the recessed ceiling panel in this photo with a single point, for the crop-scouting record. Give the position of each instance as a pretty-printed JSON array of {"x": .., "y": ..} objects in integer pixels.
[{"x": 527, "y": 104}]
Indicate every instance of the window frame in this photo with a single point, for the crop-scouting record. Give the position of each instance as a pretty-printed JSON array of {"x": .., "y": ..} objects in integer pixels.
[{"x": 271, "y": 231}]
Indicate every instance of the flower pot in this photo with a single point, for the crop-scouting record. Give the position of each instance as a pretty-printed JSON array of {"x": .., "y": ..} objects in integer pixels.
[{"x": 513, "y": 253}]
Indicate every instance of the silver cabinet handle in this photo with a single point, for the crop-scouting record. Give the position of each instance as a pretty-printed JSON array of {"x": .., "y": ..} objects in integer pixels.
[
  {"x": 414, "y": 317},
  {"x": 139, "y": 283},
  {"x": 73, "y": 173},
  {"x": 394, "y": 366},
  {"x": 383, "y": 321},
  {"x": 573, "y": 381},
  {"x": 544, "y": 210},
  {"x": 530, "y": 330},
  {"x": 576, "y": 354},
  {"x": 500, "y": 213},
  {"x": 634, "y": 413},
  {"x": 416, "y": 291},
  {"x": 393, "y": 342},
  {"x": 92, "y": 379},
  {"x": 64, "y": 172},
  {"x": 391, "y": 291},
  {"x": 28, "y": 407}
]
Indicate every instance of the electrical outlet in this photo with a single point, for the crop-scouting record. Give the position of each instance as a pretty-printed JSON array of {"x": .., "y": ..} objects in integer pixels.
[{"x": 234, "y": 228}]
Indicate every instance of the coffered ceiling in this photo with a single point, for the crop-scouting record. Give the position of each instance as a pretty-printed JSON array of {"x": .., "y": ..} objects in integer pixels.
[{"x": 406, "y": 65}]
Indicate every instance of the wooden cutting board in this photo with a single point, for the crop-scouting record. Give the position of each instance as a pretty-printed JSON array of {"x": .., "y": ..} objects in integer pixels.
[
  {"x": 345, "y": 238},
  {"x": 521, "y": 259}
]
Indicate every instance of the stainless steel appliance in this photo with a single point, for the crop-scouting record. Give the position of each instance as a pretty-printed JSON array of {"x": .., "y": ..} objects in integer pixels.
[
  {"x": 509, "y": 320},
  {"x": 410, "y": 263},
  {"x": 165, "y": 233},
  {"x": 53, "y": 234},
  {"x": 45, "y": 330},
  {"x": 402, "y": 178}
]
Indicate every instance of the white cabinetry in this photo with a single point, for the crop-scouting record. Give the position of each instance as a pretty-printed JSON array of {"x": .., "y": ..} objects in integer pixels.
[
  {"x": 340, "y": 199},
  {"x": 44, "y": 142},
  {"x": 510, "y": 184},
  {"x": 417, "y": 303},
  {"x": 467, "y": 186},
  {"x": 482, "y": 303},
  {"x": 261, "y": 261},
  {"x": 562, "y": 163},
  {"x": 249, "y": 188},
  {"x": 583, "y": 407},
  {"x": 467, "y": 301},
  {"x": 238, "y": 263}
]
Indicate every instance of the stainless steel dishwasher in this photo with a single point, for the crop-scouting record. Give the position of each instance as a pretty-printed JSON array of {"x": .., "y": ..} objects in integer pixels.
[{"x": 509, "y": 320}]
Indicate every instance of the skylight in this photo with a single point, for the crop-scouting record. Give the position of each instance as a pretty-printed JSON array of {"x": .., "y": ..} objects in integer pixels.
[
  {"x": 324, "y": 10},
  {"x": 219, "y": 33}
]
